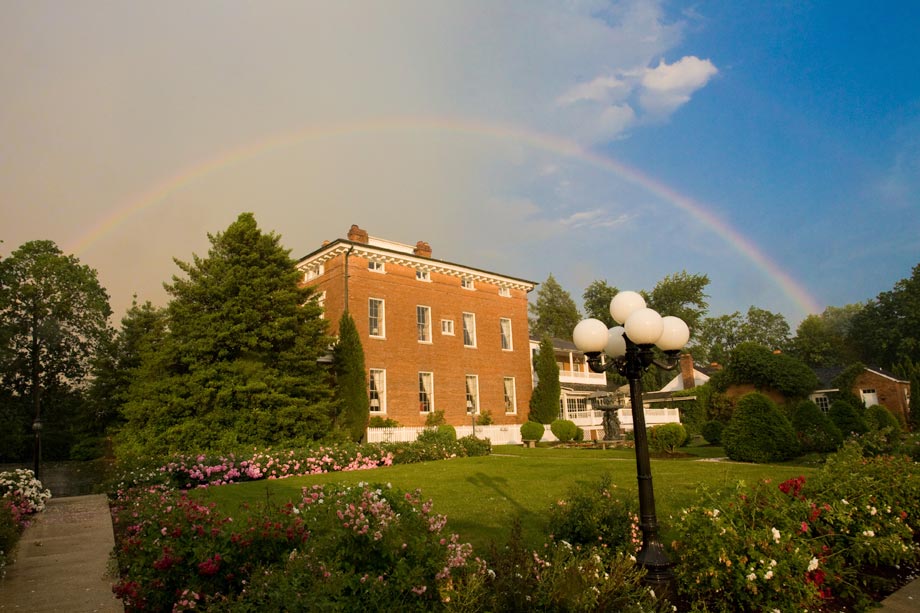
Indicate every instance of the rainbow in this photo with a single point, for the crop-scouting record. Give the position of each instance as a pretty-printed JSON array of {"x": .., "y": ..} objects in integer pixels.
[{"x": 541, "y": 141}]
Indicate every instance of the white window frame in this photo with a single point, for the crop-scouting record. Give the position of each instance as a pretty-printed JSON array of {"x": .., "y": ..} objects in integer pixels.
[
  {"x": 321, "y": 303},
  {"x": 424, "y": 327},
  {"x": 507, "y": 338},
  {"x": 469, "y": 329},
  {"x": 513, "y": 395},
  {"x": 379, "y": 385},
  {"x": 504, "y": 292},
  {"x": 447, "y": 327},
  {"x": 381, "y": 318},
  {"x": 313, "y": 272},
  {"x": 467, "y": 283},
  {"x": 425, "y": 392},
  {"x": 472, "y": 395},
  {"x": 823, "y": 402},
  {"x": 375, "y": 266},
  {"x": 423, "y": 275}
]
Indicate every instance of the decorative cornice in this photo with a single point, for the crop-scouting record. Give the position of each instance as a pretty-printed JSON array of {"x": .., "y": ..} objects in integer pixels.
[{"x": 386, "y": 256}]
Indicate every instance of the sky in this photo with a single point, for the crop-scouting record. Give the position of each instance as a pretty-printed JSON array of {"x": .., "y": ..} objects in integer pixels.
[{"x": 773, "y": 146}]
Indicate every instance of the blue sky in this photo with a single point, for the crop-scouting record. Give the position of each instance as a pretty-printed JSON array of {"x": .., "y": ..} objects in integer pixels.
[{"x": 774, "y": 146}]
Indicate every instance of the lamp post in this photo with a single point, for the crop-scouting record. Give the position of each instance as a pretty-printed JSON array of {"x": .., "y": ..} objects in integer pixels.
[
  {"x": 37, "y": 451},
  {"x": 629, "y": 348}
]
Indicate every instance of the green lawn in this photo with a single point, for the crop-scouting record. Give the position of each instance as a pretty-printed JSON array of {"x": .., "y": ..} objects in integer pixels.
[{"x": 480, "y": 496}]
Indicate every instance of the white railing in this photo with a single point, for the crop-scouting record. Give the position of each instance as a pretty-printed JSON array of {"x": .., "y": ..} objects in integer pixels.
[
  {"x": 574, "y": 376},
  {"x": 653, "y": 417}
]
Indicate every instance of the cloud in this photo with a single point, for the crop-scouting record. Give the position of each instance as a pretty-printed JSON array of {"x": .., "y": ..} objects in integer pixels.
[
  {"x": 668, "y": 86},
  {"x": 597, "y": 218}
]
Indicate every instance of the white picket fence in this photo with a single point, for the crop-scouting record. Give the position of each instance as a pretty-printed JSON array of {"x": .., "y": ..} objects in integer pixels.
[{"x": 510, "y": 434}]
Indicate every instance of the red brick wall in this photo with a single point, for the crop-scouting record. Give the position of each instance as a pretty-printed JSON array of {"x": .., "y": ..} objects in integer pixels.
[
  {"x": 403, "y": 356},
  {"x": 891, "y": 394}
]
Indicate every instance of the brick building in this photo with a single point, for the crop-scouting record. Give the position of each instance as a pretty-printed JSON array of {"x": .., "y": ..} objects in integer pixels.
[
  {"x": 437, "y": 336},
  {"x": 872, "y": 386}
]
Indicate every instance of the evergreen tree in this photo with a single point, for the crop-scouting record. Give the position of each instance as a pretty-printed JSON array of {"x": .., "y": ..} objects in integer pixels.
[
  {"x": 597, "y": 299},
  {"x": 238, "y": 364},
  {"x": 814, "y": 430},
  {"x": 847, "y": 417},
  {"x": 352, "y": 402},
  {"x": 53, "y": 320},
  {"x": 555, "y": 313},
  {"x": 544, "y": 402}
]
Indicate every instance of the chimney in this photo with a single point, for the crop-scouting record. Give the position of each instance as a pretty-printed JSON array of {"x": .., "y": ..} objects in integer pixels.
[
  {"x": 357, "y": 235},
  {"x": 686, "y": 371},
  {"x": 422, "y": 249}
]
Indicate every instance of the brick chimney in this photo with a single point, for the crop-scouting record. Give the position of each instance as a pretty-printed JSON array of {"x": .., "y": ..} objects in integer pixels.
[
  {"x": 357, "y": 235},
  {"x": 686, "y": 371},
  {"x": 422, "y": 249}
]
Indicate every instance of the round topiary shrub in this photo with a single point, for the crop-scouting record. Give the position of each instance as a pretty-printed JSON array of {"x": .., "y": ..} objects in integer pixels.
[
  {"x": 447, "y": 431},
  {"x": 564, "y": 430},
  {"x": 712, "y": 432},
  {"x": 814, "y": 430},
  {"x": 532, "y": 431},
  {"x": 878, "y": 417},
  {"x": 758, "y": 432},
  {"x": 666, "y": 437},
  {"x": 848, "y": 418}
]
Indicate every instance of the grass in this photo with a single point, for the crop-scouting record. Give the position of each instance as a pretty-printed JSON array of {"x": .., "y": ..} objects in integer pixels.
[{"x": 480, "y": 496}]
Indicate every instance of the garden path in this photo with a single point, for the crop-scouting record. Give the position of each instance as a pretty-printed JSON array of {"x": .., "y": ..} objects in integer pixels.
[{"x": 61, "y": 561}]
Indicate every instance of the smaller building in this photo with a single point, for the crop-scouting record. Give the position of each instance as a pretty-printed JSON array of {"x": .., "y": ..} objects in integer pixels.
[{"x": 872, "y": 386}]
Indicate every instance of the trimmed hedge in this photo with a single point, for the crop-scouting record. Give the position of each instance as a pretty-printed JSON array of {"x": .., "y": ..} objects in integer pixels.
[
  {"x": 712, "y": 432},
  {"x": 532, "y": 431},
  {"x": 564, "y": 430},
  {"x": 667, "y": 438},
  {"x": 759, "y": 432},
  {"x": 814, "y": 430},
  {"x": 848, "y": 418}
]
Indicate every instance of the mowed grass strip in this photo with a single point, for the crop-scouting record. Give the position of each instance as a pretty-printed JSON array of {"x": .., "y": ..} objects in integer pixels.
[{"x": 481, "y": 496}]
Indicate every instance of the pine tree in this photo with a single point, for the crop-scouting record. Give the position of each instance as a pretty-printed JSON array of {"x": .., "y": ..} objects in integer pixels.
[
  {"x": 555, "y": 313},
  {"x": 352, "y": 403},
  {"x": 238, "y": 365},
  {"x": 544, "y": 402}
]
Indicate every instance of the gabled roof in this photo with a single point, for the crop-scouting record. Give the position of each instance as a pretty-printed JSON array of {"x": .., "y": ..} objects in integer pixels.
[{"x": 826, "y": 376}]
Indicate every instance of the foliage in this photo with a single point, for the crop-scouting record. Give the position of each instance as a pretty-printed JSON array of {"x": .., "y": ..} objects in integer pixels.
[
  {"x": 435, "y": 418},
  {"x": 765, "y": 328},
  {"x": 475, "y": 447},
  {"x": 564, "y": 430},
  {"x": 820, "y": 543},
  {"x": 757, "y": 365},
  {"x": 712, "y": 432},
  {"x": 596, "y": 515},
  {"x": 597, "y": 297},
  {"x": 821, "y": 340},
  {"x": 532, "y": 431},
  {"x": 879, "y": 417},
  {"x": 667, "y": 438},
  {"x": 238, "y": 364},
  {"x": 814, "y": 430},
  {"x": 484, "y": 419},
  {"x": 914, "y": 417},
  {"x": 10, "y": 530},
  {"x": 759, "y": 432},
  {"x": 554, "y": 314},
  {"x": 352, "y": 402},
  {"x": 887, "y": 329},
  {"x": 24, "y": 492},
  {"x": 53, "y": 319},
  {"x": 376, "y": 421},
  {"x": 681, "y": 295},
  {"x": 544, "y": 402},
  {"x": 718, "y": 337},
  {"x": 847, "y": 417}
]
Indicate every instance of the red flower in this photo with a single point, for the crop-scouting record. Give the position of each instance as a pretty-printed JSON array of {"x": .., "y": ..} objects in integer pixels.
[{"x": 210, "y": 566}]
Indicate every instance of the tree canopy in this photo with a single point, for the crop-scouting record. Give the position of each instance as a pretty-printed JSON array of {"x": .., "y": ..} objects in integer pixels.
[
  {"x": 555, "y": 313},
  {"x": 718, "y": 336},
  {"x": 681, "y": 295},
  {"x": 757, "y": 365},
  {"x": 53, "y": 318},
  {"x": 544, "y": 402},
  {"x": 238, "y": 363},
  {"x": 597, "y": 297}
]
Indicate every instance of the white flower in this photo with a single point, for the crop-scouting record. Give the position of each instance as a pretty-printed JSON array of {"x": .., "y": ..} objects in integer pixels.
[
  {"x": 772, "y": 563},
  {"x": 813, "y": 564},
  {"x": 868, "y": 533},
  {"x": 873, "y": 511},
  {"x": 844, "y": 501},
  {"x": 775, "y": 534},
  {"x": 768, "y": 575},
  {"x": 751, "y": 577}
]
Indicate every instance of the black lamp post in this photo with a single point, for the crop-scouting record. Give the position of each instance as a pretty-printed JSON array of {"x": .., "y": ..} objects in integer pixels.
[
  {"x": 629, "y": 348},
  {"x": 37, "y": 451}
]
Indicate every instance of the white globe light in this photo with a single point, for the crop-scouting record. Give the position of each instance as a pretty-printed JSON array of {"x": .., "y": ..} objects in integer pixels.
[
  {"x": 616, "y": 344},
  {"x": 590, "y": 335},
  {"x": 644, "y": 327},
  {"x": 625, "y": 304},
  {"x": 674, "y": 334}
]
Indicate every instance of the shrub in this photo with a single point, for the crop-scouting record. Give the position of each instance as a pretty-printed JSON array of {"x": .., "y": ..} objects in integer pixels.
[
  {"x": 758, "y": 432},
  {"x": 712, "y": 432},
  {"x": 10, "y": 530},
  {"x": 448, "y": 430},
  {"x": 879, "y": 417},
  {"x": 847, "y": 417},
  {"x": 596, "y": 515},
  {"x": 435, "y": 418},
  {"x": 24, "y": 492},
  {"x": 475, "y": 447},
  {"x": 532, "y": 431},
  {"x": 564, "y": 430},
  {"x": 484, "y": 419},
  {"x": 377, "y": 421},
  {"x": 579, "y": 435},
  {"x": 814, "y": 430},
  {"x": 443, "y": 434},
  {"x": 667, "y": 438}
]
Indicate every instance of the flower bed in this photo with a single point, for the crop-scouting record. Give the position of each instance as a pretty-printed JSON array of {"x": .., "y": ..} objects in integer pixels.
[{"x": 21, "y": 496}]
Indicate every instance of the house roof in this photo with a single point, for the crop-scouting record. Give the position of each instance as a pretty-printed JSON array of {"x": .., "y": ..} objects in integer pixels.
[{"x": 826, "y": 376}]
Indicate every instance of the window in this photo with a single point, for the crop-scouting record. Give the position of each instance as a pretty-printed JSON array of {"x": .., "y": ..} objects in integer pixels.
[
  {"x": 504, "y": 291},
  {"x": 506, "y": 333},
  {"x": 447, "y": 327},
  {"x": 510, "y": 400},
  {"x": 469, "y": 329},
  {"x": 422, "y": 275},
  {"x": 466, "y": 283},
  {"x": 321, "y": 303},
  {"x": 425, "y": 392},
  {"x": 375, "y": 266},
  {"x": 472, "y": 394},
  {"x": 423, "y": 318},
  {"x": 823, "y": 403},
  {"x": 375, "y": 318},
  {"x": 377, "y": 390},
  {"x": 314, "y": 271}
]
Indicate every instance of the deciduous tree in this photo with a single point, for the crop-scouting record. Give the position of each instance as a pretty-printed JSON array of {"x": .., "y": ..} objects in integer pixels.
[{"x": 597, "y": 299}]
